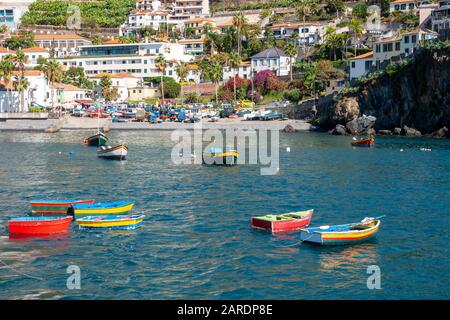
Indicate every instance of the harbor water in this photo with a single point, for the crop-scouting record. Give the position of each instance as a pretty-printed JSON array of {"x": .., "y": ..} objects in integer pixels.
[{"x": 196, "y": 241}]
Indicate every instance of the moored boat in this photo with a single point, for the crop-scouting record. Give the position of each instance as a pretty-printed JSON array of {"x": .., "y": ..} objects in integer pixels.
[
  {"x": 39, "y": 226},
  {"x": 217, "y": 156},
  {"x": 286, "y": 222},
  {"x": 369, "y": 142},
  {"x": 96, "y": 140},
  {"x": 54, "y": 207},
  {"x": 112, "y": 222},
  {"x": 342, "y": 234},
  {"x": 99, "y": 209},
  {"x": 119, "y": 152}
]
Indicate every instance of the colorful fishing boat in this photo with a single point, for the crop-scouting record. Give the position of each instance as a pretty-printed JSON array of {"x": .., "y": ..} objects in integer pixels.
[
  {"x": 111, "y": 222},
  {"x": 100, "y": 209},
  {"x": 39, "y": 226},
  {"x": 369, "y": 142},
  {"x": 216, "y": 156},
  {"x": 114, "y": 153},
  {"x": 54, "y": 207},
  {"x": 342, "y": 234},
  {"x": 96, "y": 140},
  {"x": 286, "y": 222}
]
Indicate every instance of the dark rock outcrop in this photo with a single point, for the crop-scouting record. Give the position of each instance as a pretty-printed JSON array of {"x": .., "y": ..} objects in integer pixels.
[
  {"x": 361, "y": 125},
  {"x": 339, "y": 130},
  {"x": 288, "y": 128},
  {"x": 415, "y": 94},
  {"x": 441, "y": 133}
]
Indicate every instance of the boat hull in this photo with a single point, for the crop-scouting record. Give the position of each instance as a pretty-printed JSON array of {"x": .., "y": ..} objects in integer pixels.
[
  {"x": 111, "y": 222},
  {"x": 100, "y": 209},
  {"x": 364, "y": 143},
  {"x": 97, "y": 140},
  {"x": 221, "y": 159},
  {"x": 54, "y": 208},
  {"x": 340, "y": 238},
  {"x": 269, "y": 223},
  {"x": 114, "y": 153},
  {"x": 39, "y": 226}
]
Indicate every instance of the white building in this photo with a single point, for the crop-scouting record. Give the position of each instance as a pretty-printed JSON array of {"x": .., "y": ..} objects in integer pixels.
[
  {"x": 244, "y": 71},
  {"x": 183, "y": 10},
  {"x": 407, "y": 6},
  {"x": 195, "y": 47},
  {"x": 11, "y": 12},
  {"x": 360, "y": 65},
  {"x": 61, "y": 45},
  {"x": 139, "y": 59},
  {"x": 34, "y": 54},
  {"x": 122, "y": 81},
  {"x": 35, "y": 93},
  {"x": 64, "y": 93},
  {"x": 440, "y": 20},
  {"x": 271, "y": 59},
  {"x": 308, "y": 33}
]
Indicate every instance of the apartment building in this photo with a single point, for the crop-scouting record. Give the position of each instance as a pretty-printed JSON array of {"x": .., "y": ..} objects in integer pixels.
[
  {"x": 61, "y": 45},
  {"x": 198, "y": 25},
  {"x": 138, "y": 59},
  {"x": 440, "y": 20},
  {"x": 195, "y": 47},
  {"x": 183, "y": 10},
  {"x": 307, "y": 33},
  {"x": 11, "y": 12}
]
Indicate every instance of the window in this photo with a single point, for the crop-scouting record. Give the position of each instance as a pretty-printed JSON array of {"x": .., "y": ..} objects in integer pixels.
[
  {"x": 396, "y": 7},
  {"x": 368, "y": 64},
  {"x": 403, "y": 7},
  {"x": 406, "y": 39},
  {"x": 377, "y": 48},
  {"x": 390, "y": 47},
  {"x": 385, "y": 48},
  {"x": 407, "y": 50},
  {"x": 353, "y": 65},
  {"x": 397, "y": 46},
  {"x": 414, "y": 39}
]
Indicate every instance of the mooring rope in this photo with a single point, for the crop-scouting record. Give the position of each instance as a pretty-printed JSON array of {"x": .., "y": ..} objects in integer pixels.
[
  {"x": 297, "y": 243},
  {"x": 21, "y": 273}
]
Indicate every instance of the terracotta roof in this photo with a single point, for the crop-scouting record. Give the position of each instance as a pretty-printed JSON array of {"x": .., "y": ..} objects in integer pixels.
[
  {"x": 294, "y": 25},
  {"x": 363, "y": 56},
  {"x": 245, "y": 63},
  {"x": 38, "y": 36},
  {"x": 115, "y": 75},
  {"x": 148, "y": 13},
  {"x": 228, "y": 23},
  {"x": 192, "y": 40},
  {"x": 403, "y": 1},
  {"x": 6, "y": 50},
  {"x": 66, "y": 87},
  {"x": 199, "y": 20},
  {"x": 192, "y": 66},
  {"x": 35, "y": 49},
  {"x": 111, "y": 41},
  {"x": 28, "y": 73}
]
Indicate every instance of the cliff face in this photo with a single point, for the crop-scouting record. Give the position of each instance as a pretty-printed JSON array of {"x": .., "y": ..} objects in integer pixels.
[{"x": 416, "y": 96}]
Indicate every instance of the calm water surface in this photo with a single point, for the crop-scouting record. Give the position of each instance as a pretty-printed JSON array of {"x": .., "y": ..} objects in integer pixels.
[{"x": 196, "y": 241}]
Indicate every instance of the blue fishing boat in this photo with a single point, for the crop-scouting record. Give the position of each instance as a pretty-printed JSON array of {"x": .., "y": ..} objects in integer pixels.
[
  {"x": 343, "y": 234},
  {"x": 106, "y": 208}
]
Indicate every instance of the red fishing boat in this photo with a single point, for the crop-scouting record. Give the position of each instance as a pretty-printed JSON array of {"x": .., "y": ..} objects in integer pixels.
[
  {"x": 286, "y": 222},
  {"x": 370, "y": 142},
  {"x": 39, "y": 226}
]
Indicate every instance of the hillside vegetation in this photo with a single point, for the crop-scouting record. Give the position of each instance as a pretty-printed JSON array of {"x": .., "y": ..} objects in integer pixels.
[{"x": 101, "y": 13}]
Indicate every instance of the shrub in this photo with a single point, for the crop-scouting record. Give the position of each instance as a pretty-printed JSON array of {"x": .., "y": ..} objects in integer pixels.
[{"x": 293, "y": 95}]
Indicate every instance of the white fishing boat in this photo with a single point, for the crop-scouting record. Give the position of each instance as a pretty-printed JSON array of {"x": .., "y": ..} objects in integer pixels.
[{"x": 115, "y": 153}]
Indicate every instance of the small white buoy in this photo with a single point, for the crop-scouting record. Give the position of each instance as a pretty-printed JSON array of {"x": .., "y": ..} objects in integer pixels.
[
  {"x": 401, "y": 150},
  {"x": 60, "y": 152},
  {"x": 288, "y": 149}
]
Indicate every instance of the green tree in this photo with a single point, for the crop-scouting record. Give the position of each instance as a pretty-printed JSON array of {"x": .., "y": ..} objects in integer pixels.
[
  {"x": 20, "y": 84},
  {"x": 357, "y": 29},
  {"x": 240, "y": 22},
  {"x": 6, "y": 71},
  {"x": 304, "y": 8},
  {"x": 109, "y": 92},
  {"x": 291, "y": 50},
  {"x": 182, "y": 70},
  {"x": 76, "y": 76},
  {"x": 360, "y": 10},
  {"x": 22, "y": 40},
  {"x": 53, "y": 73},
  {"x": 234, "y": 61},
  {"x": 161, "y": 65},
  {"x": 20, "y": 60}
]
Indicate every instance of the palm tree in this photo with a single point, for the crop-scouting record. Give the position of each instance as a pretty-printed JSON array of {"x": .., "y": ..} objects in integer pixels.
[
  {"x": 182, "y": 71},
  {"x": 304, "y": 8},
  {"x": 356, "y": 26},
  {"x": 291, "y": 50},
  {"x": 21, "y": 84},
  {"x": 240, "y": 23},
  {"x": 212, "y": 68},
  {"x": 234, "y": 61},
  {"x": 20, "y": 60},
  {"x": 54, "y": 73},
  {"x": 6, "y": 70},
  {"x": 161, "y": 65},
  {"x": 334, "y": 40}
]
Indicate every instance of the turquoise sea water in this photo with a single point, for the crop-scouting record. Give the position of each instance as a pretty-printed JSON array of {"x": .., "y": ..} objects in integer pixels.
[{"x": 196, "y": 243}]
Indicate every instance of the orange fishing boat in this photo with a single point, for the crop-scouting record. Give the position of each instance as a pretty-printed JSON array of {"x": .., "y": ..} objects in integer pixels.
[{"x": 369, "y": 142}]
